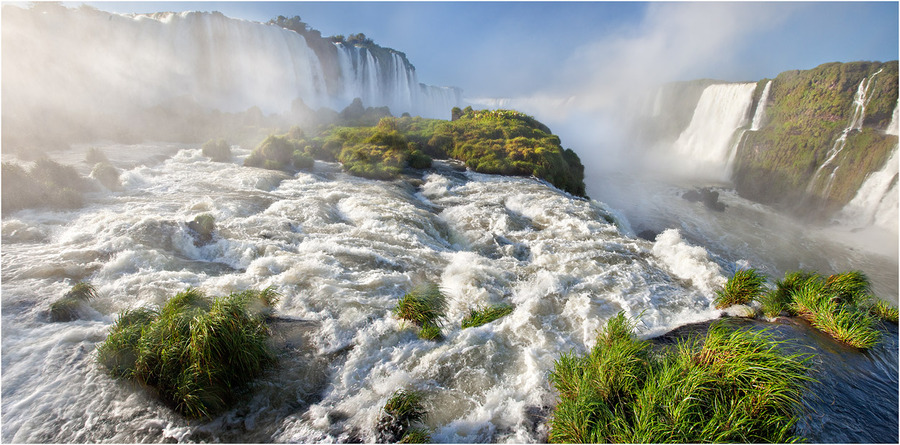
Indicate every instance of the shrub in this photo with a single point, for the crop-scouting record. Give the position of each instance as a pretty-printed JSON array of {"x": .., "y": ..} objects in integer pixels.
[
  {"x": 196, "y": 351},
  {"x": 217, "y": 150},
  {"x": 730, "y": 386},
  {"x": 301, "y": 160},
  {"x": 400, "y": 413},
  {"x": 486, "y": 314},
  {"x": 744, "y": 286}
]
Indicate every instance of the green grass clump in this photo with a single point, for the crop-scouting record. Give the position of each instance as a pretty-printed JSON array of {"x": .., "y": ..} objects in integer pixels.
[
  {"x": 196, "y": 351},
  {"x": 839, "y": 305},
  {"x": 70, "y": 305},
  {"x": 729, "y": 386},
  {"x": 778, "y": 300},
  {"x": 424, "y": 307},
  {"x": 885, "y": 311},
  {"x": 486, "y": 314},
  {"x": 401, "y": 412},
  {"x": 217, "y": 150},
  {"x": 743, "y": 287}
]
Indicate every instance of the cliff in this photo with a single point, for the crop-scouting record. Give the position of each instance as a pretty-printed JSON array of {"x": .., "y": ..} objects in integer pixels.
[{"x": 824, "y": 132}]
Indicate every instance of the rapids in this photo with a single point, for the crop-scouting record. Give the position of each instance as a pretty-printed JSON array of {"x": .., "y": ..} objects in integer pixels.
[{"x": 341, "y": 250}]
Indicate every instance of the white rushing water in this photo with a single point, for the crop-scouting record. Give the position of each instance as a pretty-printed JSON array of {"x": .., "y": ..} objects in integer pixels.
[
  {"x": 84, "y": 56},
  {"x": 705, "y": 149},
  {"x": 342, "y": 250},
  {"x": 760, "y": 113}
]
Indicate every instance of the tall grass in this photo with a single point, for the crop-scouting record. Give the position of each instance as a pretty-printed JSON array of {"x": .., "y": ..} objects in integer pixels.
[
  {"x": 400, "y": 415},
  {"x": 729, "y": 386},
  {"x": 486, "y": 314},
  {"x": 197, "y": 351},
  {"x": 744, "y": 286},
  {"x": 424, "y": 306},
  {"x": 779, "y": 299},
  {"x": 839, "y": 305},
  {"x": 70, "y": 305}
]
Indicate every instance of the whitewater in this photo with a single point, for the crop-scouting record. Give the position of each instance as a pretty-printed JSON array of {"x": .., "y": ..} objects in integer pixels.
[{"x": 341, "y": 250}]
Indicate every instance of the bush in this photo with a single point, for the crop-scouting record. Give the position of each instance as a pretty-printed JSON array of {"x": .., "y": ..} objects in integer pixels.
[
  {"x": 743, "y": 287},
  {"x": 95, "y": 156},
  {"x": 486, "y": 314},
  {"x": 424, "y": 307},
  {"x": 196, "y": 351},
  {"x": 730, "y": 386},
  {"x": 217, "y": 150},
  {"x": 46, "y": 184},
  {"x": 400, "y": 413}
]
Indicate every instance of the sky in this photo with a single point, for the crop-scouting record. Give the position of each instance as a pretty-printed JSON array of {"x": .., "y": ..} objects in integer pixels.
[{"x": 515, "y": 49}]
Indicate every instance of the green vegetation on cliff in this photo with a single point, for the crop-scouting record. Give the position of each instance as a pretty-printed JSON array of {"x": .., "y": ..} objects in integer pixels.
[
  {"x": 497, "y": 142},
  {"x": 806, "y": 114}
]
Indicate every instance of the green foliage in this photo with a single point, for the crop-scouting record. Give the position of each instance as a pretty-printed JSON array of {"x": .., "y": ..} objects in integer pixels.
[
  {"x": 486, "y": 314},
  {"x": 779, "y": 299},
  {"x": 731, "y": 386},
  {"x": 840, "y": 305},
  {"x": 400, "y": 413},
  {"x": 196, "y": 351},
  {"x": 507, "y": 142},
  {"x": 71, "y": 304},
  {"x": 743, "y": 287},
  {"x": 424, "y": 307},
  {"x": 217, "y": 150},
  {"x": 882, "y": 309},
  {"x": 48, "y": 183},
  {"x": 274, "y": 153}
]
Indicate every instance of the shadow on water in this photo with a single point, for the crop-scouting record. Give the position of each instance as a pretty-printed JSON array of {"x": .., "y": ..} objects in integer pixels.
[{"x": 855, "y": 398}]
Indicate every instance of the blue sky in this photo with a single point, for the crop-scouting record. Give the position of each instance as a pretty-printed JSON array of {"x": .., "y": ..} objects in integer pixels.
[{"x": 520, "y": 48}]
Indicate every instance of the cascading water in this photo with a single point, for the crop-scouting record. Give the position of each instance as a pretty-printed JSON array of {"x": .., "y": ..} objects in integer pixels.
[
  {"x": 88, "y": 57},
  {"x": 860, "y": 101},
  {"x": 876, "y": 201},
  {"x": 708, "y": 143},
  {"x": 342, "y": 250},
  {"x": 760, "y": 113}
]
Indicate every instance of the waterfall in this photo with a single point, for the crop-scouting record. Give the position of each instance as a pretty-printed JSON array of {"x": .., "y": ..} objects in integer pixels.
[
  {"x": 760, "y": 113},
  {"x": 709, "y": 140},
  {"x": 89, "y": 62},
  {"x": 876, "y": 201},
  {"x": 860, "y": 101},
  {"x": 892, "y": 127}
]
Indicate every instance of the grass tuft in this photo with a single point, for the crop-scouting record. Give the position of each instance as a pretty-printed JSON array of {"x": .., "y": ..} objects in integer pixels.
[
  {"x": 402, "y": 410},
  {"x": 196, "y": 351},
  {"x": 69, "y": 307},
  {"x": 885, "y": 311},
  {"x": 730, "y": 386},
  {"x": 486, "y": 314},
  {"x": 839, "y": 305},
  {"x": 425, "y": 307},
  {"x": 743, "y": 287}
]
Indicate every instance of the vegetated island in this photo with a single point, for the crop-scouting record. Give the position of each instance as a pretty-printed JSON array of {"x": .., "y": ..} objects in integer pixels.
[{"x": 503, "y": 142}]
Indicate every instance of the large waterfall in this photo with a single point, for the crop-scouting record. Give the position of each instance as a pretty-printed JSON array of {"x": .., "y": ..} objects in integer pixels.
[
  {"x": 709, "y": 141},
  {"x": 87, "y": 59}
]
